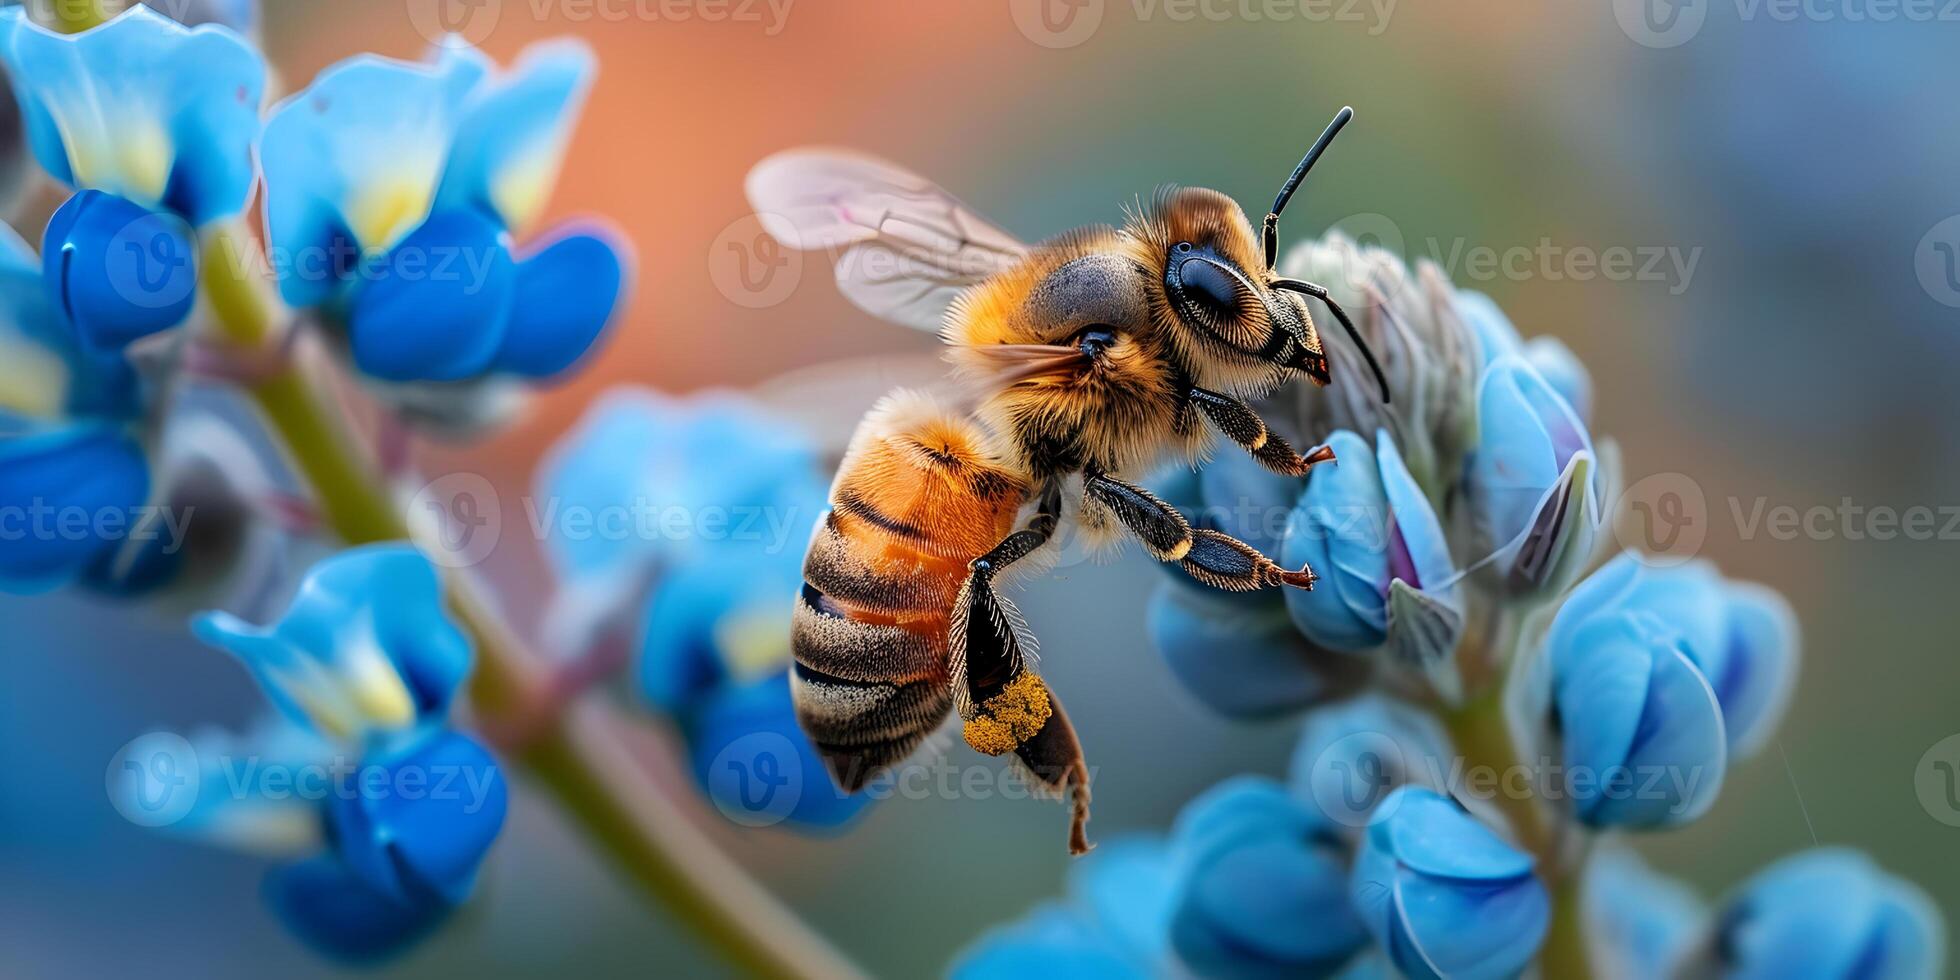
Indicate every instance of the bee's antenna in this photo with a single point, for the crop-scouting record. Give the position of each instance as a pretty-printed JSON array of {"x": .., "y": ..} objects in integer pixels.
[{"x": 1293, "y": 183}]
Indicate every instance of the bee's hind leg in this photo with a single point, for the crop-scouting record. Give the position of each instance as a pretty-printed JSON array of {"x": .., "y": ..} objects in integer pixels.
[
  {"x": 1244, "y": 426},
  {"x": 1002, "y": 700},
  {"x": 1212, "y": 557}
]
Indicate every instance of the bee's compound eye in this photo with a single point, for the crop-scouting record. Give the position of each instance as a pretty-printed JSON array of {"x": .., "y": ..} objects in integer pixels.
[{"x": 1210, "y": 286}]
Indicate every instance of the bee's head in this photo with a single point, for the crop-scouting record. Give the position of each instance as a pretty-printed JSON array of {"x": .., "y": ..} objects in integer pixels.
[{"x": 1224, "y": 306}]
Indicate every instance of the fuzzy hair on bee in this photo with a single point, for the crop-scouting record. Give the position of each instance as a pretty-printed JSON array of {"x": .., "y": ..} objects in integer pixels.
[{"x": 1087, "y": 361}]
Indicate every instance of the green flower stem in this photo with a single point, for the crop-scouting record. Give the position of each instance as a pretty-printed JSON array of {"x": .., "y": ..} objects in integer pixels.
[
  {"x": 1481, "y": 736},
  {"x": 603, "y": 789}
]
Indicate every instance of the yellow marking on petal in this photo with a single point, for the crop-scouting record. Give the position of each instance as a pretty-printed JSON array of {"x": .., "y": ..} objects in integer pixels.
[
  {"x": 522, "y": 189},
  {"x": 267, "y": 830},
  {"x": 383, "y": 212},
  {"x": 377, "y": 690},
  {"x": 127, "y": 153},
  {"x": 328, "y": 714},
  {"x": 754, "y": 640}
]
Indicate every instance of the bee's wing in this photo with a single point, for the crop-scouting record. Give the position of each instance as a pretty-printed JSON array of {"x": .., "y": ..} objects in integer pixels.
[{"x": 904, "y": 247}]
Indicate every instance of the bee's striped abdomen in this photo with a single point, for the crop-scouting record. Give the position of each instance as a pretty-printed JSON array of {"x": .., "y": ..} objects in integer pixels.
[{"x": 917, "y": 498}]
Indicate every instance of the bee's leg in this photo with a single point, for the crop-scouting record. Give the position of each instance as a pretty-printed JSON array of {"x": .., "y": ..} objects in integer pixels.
[
  {"x": 1244, "y": 426},
  {"x": 1212, "y": 557},
  {"x": 1004, "y": 703}
]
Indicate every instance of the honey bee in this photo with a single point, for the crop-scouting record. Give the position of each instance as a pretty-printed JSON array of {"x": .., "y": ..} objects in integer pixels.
[{"x": 1089, "y": 360}]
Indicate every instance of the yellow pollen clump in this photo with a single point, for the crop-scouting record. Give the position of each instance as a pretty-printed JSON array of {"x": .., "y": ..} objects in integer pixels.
[{"x": 1011, "y": 717}]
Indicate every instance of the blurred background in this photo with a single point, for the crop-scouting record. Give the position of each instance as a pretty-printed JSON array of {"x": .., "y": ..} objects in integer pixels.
[{"x": 1782, "y": 331}]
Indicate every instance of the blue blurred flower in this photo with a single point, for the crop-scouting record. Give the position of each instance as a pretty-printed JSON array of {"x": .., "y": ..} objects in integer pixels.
[
  {"x": 1825, "y": 914},
  {"x": 1443, "y": 895},
  {"x": 59, "y": 488},
  {"x": 393, "y": 191},
  {"x": 1641, "y": 725},
  {"x": 1262, "y": 887},
  {"x": 153, "y": 124},
  {"x": 1533, "y": 480},
  {"x": 1112, "y": 925},
  {"x": 1351, "y": 755},
  {"x": 677, "y": 527},
  {"x": 365, "y": 650},
  {"x": 1386, "y": 576},
  {"x": 1639, "y": 923},
  {"x": 1240, "y": 659}
]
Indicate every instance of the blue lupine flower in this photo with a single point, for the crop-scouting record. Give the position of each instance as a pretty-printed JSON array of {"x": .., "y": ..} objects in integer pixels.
[
  {"x": 1742, "y": 636},
  {"x": 153, "y": 124},
  {"x": 1825, "y": 914},
  {"x": 680, "y": 523},
  {"x": 1112, "y": 925},
  {"x": 1262, "y": 885},
  {"x": 1350, "y": 756},
  {"x": 1385, "y": 570},
  {"x": 365, "y": 649},
  {"x": 365, "y": 658},
  {"x": 1639, "y": 721},
  {"x": 392, "y": 193},
  {"x": 1533, "y": 479},
  {"x": 1443, "y": 895},
  {"x": 1639, "y": 922},
  {"x": 1553, "y": 361}
]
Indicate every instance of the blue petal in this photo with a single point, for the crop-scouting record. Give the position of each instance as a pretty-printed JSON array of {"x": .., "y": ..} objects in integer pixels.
[
  {"x": 1340, "y": 529},
  {"x": 1126, "y": 889},
  {"x": 512, "y": 139},
  {"x": 366, "y": 646},
  {"x": 1760, "y": 671},
  {"x": 1413, "y": 518},
  {"x": 438, "y": 305},
  {"x": 419, "y": 821},
  {"x": 1050, "y": 942},
  {"x": 48, "y": 478},
  {"x": 1496, "y": 337},
  {"x": 143, "y": 108},
  {"x": 756, "y": 764},
  {"x": 339, "y": 915},
  {"x": 566, "y": 294},
  {"x": 1640, "y": 921},
  {"x": 1561, "y": 369},
  {"x": 1265, "y": 888},
  {"x": 1240, "y": 663},
  {"x": 1429, "y": 834},
  {"x": 1472, "y": 933},
  {"x": 1247, "y": 501},
  {"x": 352, "y": 163},
  {"x": 1830, "y": 913},
  {"x": 45, "y": 370},
  {"x": 119, "y": 270},
  {"x": 1350, "y": 756}
]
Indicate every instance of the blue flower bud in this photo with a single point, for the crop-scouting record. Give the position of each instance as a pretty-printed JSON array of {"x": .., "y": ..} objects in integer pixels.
[
  {"x": 1240, "y": 662},
  {"x": 59, "y": 489},
  {"x": 754, "y": 762},
  {"x": 1828, "y": 913},
  {"x": 1532, "y": 480},
  {"x": 1640, "y": 922},
  {"x": 1644, "y": 743},
  {"x": 417, "y": 823},
  {"x": 340, "y": 916},
  {"x": 1497, "y": 339},
  {"x": 1363, "y": 525},
  {"x": 1263, "y": 888},
  {"x": 366, "y": 647},
  {"x": 567, "y": 292},
  {"x": 1350, "y": 756},
  {"x": 1112, "y": 926},
  {"x": 1443, "y": 895},
  {"x": 119, "y": 270},
  {"x": 438, "y": 305}
]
